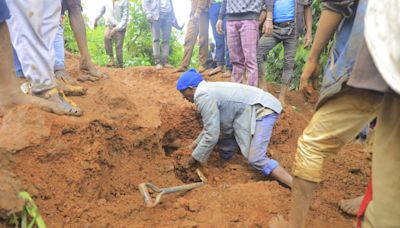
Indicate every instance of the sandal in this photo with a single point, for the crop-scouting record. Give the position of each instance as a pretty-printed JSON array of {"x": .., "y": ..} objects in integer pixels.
[
  {"x": 70, "y": 90},
  {"x": 59, "y": 99}
]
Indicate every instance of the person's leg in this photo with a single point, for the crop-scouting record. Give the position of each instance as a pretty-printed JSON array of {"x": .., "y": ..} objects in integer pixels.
[
  {"x": 17, "y": 65},
  {"x": 9, "y": 88},
  {"x": 386, "y": 163},
  {"x": 203, "y": 41},
  {"x": 190, "y": 40},
  {"x": 290, "y": 47},
  {"x": 119, "y": 44},
  {"x": 213, "y": 13},
  {"x": 258, "y": 150},
  {"x": 59, "y": 64},
  {"x": 33, "y": 40},
  {"x": 249, "y": 39},
  {"x": 228, "y": 64},
  {"x": 166, "y": 37},
  {"x": 333, "y": 125},
  {"x": 265, "y": 44},
  {"x": 108, "y": 45},
  {"x": 155, "y": 35},
  {"x": 236, "y": 51},
  {"x": 79, "y": 29}
]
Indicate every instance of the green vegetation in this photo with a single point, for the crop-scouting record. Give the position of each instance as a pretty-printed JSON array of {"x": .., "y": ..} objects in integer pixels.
[
  {"x": 138, "y": 46},
  {"x": 30, "y": 215}
]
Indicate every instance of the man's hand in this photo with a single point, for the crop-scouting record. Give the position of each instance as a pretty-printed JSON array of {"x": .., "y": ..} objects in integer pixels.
[
  {"x": 150, "y": 19},
  {"x": 308, "y": 39},
  {"x": 219, "y": 27},
  {"x": 190, "y": 162},
  {"x": 311, "y": 72},
  {"x": 113, "y": 31},
  {"x": 268, "y": 27}
]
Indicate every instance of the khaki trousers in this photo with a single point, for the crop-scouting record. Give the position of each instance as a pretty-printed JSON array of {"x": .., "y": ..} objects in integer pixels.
[{"x": 197, "y": 27}]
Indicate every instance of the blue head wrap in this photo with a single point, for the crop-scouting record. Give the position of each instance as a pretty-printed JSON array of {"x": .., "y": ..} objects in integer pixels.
[{"x": 189, "y": 79}]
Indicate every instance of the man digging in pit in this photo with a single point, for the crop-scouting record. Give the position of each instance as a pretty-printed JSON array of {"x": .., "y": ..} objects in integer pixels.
[{"x": 234, "y": 116}]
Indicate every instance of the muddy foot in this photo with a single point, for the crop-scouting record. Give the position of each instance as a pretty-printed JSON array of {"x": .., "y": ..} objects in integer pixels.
[
  {"x": 351, "y": 206},
  {"x": 16, "y": 98},
  {"x": 278, "y": 222},
  {"x": 90, "y": 69}
]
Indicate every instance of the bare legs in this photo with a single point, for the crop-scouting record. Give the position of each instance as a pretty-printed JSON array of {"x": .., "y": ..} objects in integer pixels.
[
  {"x": 79, "y": 29},
  {"x": 10, "y": 94}
]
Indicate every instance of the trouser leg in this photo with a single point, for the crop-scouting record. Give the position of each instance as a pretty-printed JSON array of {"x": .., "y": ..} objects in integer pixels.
[
  {"x": 119, "y": 45},
  {"x": 108, "y": 42},
  {"x": 190, "y": 40},
  {"x": 290, "y": 47},
  {"x": 333, "y": 125},
  {"x": 59, "y": 49},
  {"x": 166, "y": 37},
  {"x": 249, "y": 39},
  {"x": 17, "y": 65},
  {"x": 265, "y": 44},
  {"x": 259, "y": 144},
  {"x": 33, "y": 29},
  {"x": 203, "y": 39},
  {"x": 386, "y": 163},
  {"x": 155, "y": 35},
  {"x": 236, "y": 51},
  {"x": 213, "y": 13}
]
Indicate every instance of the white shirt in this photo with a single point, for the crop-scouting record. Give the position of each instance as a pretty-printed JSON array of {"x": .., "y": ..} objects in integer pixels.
[
  {"x": 116, "y": 14},
  {"x": 382, "y": 34}
]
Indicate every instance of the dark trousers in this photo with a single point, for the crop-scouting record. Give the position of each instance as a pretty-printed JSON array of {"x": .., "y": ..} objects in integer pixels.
[
  {"x": 118, "y": 39},
  {"x": 221, "y": 51},
  {"x": 163, "y": 25},
  {"x": 285, "y": 35}
]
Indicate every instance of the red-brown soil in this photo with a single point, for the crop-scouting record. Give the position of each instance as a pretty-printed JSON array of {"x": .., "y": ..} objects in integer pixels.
[{"x": 84, "y": 172}]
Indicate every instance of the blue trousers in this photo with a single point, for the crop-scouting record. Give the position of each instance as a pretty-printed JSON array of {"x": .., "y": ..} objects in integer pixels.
[
  {"x": 59, "y": 54},
  {"x": 221, "y": 51},
  {"x": 59, "y": 49},
  {"x": 258, "y": 148}
]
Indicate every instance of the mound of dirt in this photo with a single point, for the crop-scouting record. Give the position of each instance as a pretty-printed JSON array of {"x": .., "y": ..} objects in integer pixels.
[{"x": 85, "y": 172}]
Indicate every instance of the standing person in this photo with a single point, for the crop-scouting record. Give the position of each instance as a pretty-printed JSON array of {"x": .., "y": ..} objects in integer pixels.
[
  {"x": 234, "y": 116},
  {"x": 242, "y": 35},
  {"x": 32, "y": 30},
  {"x": 160, "y": 14},
  {"x": 222, "y": 52},
  {"x": 74, "y": 9},
  {"x": 350, "y": 98},
  {"x": 197, "y": 27},
  {"x": 9, "y": 89},
  {"x": 285, "y": 22},
  {"x": 116, "y": 16}
]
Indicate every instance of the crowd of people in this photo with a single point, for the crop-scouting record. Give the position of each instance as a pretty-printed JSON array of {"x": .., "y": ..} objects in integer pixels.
[{"x": 361, "y": 81}]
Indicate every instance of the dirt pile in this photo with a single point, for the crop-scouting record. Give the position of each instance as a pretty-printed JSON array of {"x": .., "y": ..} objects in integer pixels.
[{"x": 84, "y": 172}]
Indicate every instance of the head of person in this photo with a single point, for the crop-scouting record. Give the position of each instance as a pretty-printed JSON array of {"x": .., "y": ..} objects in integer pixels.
[{"x": 188, "y": 82}]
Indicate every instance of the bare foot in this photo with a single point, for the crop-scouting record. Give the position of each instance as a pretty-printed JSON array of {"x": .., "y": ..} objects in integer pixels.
[
  {"x": 351, "y": 206},
  {"x": 12, "y": 99},
  {"x": 89, "y": 68},
  {"x": 278, "y": 222},
  {"x": 227, "y": 74}
]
